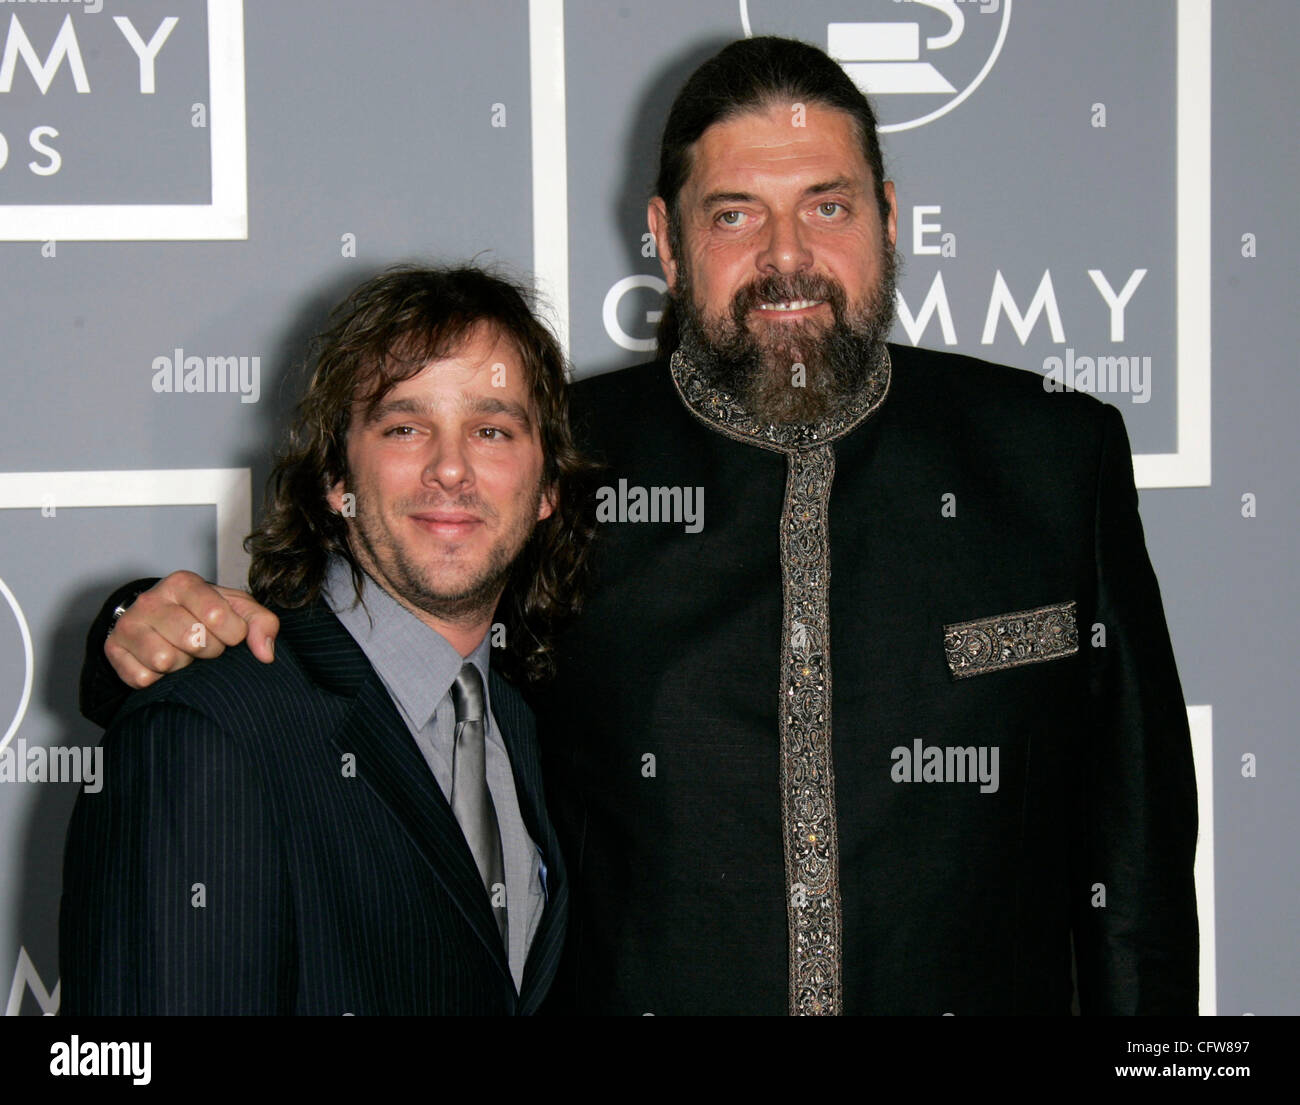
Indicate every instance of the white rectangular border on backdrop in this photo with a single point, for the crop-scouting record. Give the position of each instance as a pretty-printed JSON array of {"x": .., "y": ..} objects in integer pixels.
[
  {"x": 1189, "y": 465},
  {"x": 229, "y": 490},
  {"x": 226, "y": 217}
]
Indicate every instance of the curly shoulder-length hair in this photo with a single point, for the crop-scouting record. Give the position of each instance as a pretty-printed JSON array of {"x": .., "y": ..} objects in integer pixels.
[{"x": 385, "y": 332}]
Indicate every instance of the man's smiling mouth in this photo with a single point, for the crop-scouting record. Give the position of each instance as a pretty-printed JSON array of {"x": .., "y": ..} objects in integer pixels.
[{"x": 791, "y": 305}]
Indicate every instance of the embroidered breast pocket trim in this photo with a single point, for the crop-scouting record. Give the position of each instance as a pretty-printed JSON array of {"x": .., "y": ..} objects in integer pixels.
[{"x": 1011, "y": 640}]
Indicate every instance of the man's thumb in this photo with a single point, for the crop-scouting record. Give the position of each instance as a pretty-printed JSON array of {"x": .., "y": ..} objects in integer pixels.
[{"x": 263, "y": 626}]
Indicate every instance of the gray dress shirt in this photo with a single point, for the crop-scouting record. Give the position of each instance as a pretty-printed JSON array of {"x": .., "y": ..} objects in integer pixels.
[{"x": 418, "y": 666}]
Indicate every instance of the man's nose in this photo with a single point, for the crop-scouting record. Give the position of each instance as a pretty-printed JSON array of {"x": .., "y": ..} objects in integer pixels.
[
  {"x": 785, "y": 249},
  {"x": 449, "y": 464}
]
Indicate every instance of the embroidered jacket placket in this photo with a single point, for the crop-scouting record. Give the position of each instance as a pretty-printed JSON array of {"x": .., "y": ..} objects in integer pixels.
[{"x": 804, "y": 682}]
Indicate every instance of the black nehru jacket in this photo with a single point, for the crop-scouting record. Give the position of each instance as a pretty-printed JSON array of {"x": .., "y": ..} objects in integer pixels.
[{"x": 955, "y": 900}]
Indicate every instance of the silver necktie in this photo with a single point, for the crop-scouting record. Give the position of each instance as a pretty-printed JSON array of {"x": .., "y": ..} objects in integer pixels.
[{"x": 471, "y": 801}]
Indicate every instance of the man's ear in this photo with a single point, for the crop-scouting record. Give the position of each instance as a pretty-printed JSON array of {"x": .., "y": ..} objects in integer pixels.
[
  {"x": 550, "y": 500},
  {"x": 891, "y": 227},
  {"x": 657, "y": 218},
  {"x": 334, "y": 496}
]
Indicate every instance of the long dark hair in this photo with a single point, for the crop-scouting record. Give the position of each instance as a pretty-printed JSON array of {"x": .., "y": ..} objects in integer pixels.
[
  {"x": 749, "y": 75},
  {"x": 385, "y": 332}
]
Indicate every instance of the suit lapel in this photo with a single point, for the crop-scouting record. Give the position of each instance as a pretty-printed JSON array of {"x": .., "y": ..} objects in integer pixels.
[
  {"x": 514, "y": 721},
  {"x": 390, "y": 764}
]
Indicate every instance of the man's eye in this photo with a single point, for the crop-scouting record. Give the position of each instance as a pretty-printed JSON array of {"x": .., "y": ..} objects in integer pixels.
[
  {"x": 829, "y": 208},
  {"x": 399, "y": 431},
  {"x": 494, "y": 433},
  {"x": 731, "y": 218}
]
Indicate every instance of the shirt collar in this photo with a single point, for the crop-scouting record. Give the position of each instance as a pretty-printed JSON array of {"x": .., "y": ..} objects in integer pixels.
[{"x": 416, "y": 663}]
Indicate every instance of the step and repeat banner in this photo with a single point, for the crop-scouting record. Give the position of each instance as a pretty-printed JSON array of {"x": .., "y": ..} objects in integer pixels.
[{"x": 1097, "y": 191}]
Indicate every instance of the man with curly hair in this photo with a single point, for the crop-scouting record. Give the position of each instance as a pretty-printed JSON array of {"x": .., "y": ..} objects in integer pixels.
[{"x": 359, "y": 826}]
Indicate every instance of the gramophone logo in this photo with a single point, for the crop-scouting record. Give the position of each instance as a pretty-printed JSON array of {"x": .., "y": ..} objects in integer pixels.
[{"x": 917, "y": 59}]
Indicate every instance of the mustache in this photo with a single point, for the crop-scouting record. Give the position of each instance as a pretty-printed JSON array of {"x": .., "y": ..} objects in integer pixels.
[
  {"x": 776, "y": 288},
  {"x": 470, "y": 504}
]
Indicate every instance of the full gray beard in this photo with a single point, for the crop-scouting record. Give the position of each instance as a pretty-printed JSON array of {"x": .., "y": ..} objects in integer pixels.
[{"x": 762, "y": 376}]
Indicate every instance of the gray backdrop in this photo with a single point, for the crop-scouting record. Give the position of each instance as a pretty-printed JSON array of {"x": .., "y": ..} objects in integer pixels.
[{"x": 212, "y": 175}]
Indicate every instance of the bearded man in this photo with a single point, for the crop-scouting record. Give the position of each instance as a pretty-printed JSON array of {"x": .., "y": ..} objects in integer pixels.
[{"x": 898, "y": 728}]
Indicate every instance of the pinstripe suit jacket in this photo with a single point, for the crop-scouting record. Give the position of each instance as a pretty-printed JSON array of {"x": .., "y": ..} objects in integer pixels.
[{"x": 270, "y": 840}]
